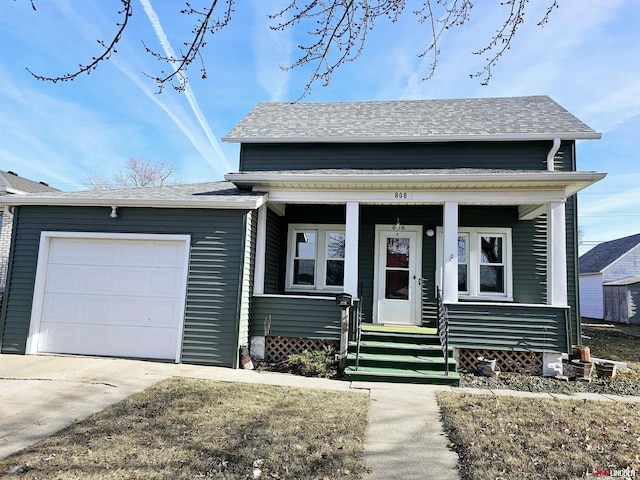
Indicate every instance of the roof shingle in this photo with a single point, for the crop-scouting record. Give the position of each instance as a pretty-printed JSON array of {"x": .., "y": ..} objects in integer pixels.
[
  {"x": 535, "y": 117},
  {"x": 604, "y": 254}
]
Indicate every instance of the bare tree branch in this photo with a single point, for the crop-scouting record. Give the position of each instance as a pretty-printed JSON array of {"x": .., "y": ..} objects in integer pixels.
[
  {"x": 139, "y": 172},
  {"x": 126, "y": 12},
  {"x": 337, "y": 34}
]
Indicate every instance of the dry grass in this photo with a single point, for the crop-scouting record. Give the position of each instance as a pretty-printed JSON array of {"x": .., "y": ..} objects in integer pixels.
[
  {"x": 614, "y": 341},
  {"x": 513, "y": 437},
  {"x": 184, "y": 428}
]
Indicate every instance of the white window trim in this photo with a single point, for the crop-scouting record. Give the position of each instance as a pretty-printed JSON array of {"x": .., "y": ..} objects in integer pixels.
[
  {"x": 473, "y": 262},
  {"x": 322, "y": 230}
]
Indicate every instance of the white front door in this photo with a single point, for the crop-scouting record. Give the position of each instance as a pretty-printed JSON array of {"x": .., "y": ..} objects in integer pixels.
[{"x": 398, "y": 271}]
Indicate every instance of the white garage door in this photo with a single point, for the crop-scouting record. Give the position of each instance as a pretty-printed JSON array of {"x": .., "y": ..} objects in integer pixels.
[{"x": 112, "y": 296}]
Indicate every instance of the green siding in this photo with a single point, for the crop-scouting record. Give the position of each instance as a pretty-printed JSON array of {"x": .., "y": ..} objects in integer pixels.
[
  {"x": 310, "y": 156},
  {"x": 507, "y": 327},
  {"x": 217, "y": 241},
  {"x": 296, "y": 317}
]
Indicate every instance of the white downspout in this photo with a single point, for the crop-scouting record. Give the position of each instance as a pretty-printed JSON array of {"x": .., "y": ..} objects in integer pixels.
[{"x": 552, "y": 153}]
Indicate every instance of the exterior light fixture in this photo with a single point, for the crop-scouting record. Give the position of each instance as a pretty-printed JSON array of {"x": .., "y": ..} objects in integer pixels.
[{"x": 114, "y": 214}]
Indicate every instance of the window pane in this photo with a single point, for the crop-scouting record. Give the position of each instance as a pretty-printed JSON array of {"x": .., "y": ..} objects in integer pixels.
[
  {"x": 335, "y": 245},
  {"x": 491, "y": 279},
  {"x": 398, "y": 252},
  {"x": 397, "y": 286},
  {"x": 491, "y": 249},
  {"x": 462, "y": 278},
  {"x": 306, "y": 244},
  {"x": 335, "y": 273},
  {"x": 304, "y": 272},
  {"x": 462, "y": 249}
]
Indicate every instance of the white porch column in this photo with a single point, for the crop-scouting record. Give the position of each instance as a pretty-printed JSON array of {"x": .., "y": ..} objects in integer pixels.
[
  {"x": 557, "y": 255},
  {"x": 351, "y": 230},
  {"x": 261, "y": 246},
  {"x": 450, "y": 253}
]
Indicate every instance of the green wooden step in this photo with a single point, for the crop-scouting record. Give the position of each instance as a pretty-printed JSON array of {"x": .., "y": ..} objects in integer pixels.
[
  {"x": 397, "y": 348},
  {"x": 399, "y": 329},
  {"x": 408, "y": 362},
  {"x": 393, "y": 337},
  {"x": 371, "y": 374}
]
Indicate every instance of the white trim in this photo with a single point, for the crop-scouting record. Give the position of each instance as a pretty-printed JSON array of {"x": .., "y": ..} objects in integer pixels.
[
  {"x": 261, "y": 248},
  {"x": 352, "y": 224},
  {"x": 198, "y": 201},
  {"x": 320, "y": 257},
  {"x": 557, "y": 255},
  {"x": 380, "y": 196},
  {"x": 279, "y": 295},
  {"x": 449, "y": 255},
  {"x": 379, "y": 229},
  {"x": 465, "y": 137},
  {"x": 41, "y": 273}
]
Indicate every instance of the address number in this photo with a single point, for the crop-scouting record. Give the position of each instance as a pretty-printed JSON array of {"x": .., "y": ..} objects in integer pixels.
[{"x": 401, "y": 195}]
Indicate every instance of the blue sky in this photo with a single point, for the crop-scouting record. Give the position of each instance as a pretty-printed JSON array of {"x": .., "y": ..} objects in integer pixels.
[{"x": 587, "y": 58}]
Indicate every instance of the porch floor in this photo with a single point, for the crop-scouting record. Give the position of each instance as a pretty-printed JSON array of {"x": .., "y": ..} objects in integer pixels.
[{"x": 400, "y": 354}]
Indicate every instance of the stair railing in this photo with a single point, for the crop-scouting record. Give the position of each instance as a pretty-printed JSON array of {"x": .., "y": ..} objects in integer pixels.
[
  {"x": 443, "y": 330},
  {"x": 358, "y": 328}
]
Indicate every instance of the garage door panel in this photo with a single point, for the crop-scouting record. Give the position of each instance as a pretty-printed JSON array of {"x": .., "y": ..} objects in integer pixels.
[
  {"x": 91, "y": 279},
  {"x": 94, "y": 309},
  {"x": 117, "y": 297},
  {"x": 108, "y": 340}
]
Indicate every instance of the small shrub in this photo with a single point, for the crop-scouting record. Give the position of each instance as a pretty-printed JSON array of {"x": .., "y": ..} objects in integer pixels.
[{"x": 314, "y": 363}]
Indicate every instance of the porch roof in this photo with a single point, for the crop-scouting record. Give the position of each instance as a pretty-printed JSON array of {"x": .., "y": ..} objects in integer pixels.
[{"x": 416, "y": 179}]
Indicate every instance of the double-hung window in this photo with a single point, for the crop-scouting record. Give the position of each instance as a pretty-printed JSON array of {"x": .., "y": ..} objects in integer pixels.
[
  {"x": 484, "y": 263},
  {"x": 315, "y": 258}
]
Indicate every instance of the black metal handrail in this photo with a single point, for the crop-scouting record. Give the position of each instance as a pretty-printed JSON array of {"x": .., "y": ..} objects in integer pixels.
[
  {"x": 443, "y": 330},
  {"x": 358, "y": 329}
]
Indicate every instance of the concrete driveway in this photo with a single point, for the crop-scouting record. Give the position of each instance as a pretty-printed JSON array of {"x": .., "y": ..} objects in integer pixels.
[{"x": 41, "y": 394}]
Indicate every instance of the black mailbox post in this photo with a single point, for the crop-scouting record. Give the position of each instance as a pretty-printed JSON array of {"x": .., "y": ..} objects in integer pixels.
[{"x": 344, "y": 300}]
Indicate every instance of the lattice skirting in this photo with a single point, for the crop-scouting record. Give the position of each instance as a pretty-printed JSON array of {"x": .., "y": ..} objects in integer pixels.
[
  {"x": 278, "y": 349},
  {"x": 507, "y": 361}
]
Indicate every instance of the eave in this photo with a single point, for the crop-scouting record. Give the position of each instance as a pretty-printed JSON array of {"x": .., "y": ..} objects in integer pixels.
[
  {"x": 240, "y": 202},
  {"x": 511, "y": 137}
]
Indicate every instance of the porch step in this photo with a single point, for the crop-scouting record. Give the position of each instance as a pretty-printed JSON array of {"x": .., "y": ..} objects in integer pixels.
[
  {"x": 407, "y": 362},
  {"x": 396, "y": 348},
  {"x": 402, "y": 355},
  {"x": 392, "y": 375}
]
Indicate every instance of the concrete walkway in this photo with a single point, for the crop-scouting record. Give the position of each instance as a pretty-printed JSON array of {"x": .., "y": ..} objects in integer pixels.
[{"x": 41, "y": 394}]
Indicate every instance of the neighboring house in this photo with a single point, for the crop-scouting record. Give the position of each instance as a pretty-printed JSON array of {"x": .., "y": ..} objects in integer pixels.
[
  {"x": 387, "y": 201},
  {"x": 605, "y": 263},
  {"x": 12, "y": 184}
]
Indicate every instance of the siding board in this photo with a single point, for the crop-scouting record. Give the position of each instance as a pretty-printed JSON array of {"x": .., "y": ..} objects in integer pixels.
[{"x": 310, "y": 156}]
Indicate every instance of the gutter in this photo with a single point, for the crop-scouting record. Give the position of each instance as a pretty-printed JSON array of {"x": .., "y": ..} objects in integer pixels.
[
  {"x": 418, "y": 138},
  {"x": 552, "y": 154}
]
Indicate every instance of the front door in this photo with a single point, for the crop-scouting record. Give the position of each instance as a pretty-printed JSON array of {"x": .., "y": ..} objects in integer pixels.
[{"x": 397, "y": 280}]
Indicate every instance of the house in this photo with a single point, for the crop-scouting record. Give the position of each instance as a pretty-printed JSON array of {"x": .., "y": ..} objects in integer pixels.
[
  {"x": 613, "y": 261},
  {"x": 12, "y": 184},
  {"x": 388, "y": 202}
]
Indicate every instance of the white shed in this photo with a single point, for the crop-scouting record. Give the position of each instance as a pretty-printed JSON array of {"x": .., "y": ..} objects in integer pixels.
[{"x": 607, "y": 262}]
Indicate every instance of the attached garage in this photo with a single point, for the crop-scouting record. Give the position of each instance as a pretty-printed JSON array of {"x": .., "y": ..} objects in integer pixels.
[
  {"x": 115, "y": 295},
  {"x": 156, "y": 272}
]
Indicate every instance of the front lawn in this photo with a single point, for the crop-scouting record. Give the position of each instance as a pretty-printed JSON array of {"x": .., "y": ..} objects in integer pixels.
[
  {"x": 613, "y": 341},
  {"x": 532, "y": 438},
  {"x": 185, "y": 428}
]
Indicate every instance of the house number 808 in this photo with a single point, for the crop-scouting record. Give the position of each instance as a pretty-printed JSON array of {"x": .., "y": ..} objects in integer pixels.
[{"x": 401, "y": 195}]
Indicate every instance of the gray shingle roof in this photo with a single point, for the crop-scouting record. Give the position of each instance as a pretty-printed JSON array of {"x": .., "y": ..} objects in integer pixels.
[
  {"x": 196, "y": 195},
  {"x": 24, "y": 185},
  {"x": 604, "y": 254},
  {"x": 513, "y": 118}
]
